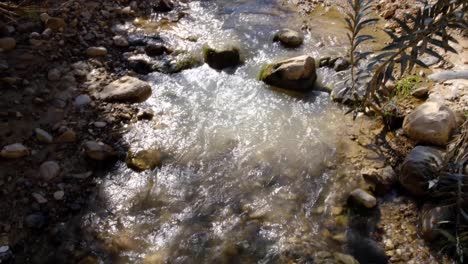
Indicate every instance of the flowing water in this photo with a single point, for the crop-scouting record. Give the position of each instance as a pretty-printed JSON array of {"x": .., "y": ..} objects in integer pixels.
[{"x": 246, "y": 167}]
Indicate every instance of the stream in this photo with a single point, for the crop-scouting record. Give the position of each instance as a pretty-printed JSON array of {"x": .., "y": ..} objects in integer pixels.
[{"x": 246, "y": 176}]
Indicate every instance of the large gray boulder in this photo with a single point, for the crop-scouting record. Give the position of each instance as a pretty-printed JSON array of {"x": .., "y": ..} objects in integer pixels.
[
  {"x": 420, "y": 167},
  {"x": 430, "y": 123},
  {"x": 289, "y": 38},
  {"x": 296, "y": 74},
  {"x": 127, "y": 90}
]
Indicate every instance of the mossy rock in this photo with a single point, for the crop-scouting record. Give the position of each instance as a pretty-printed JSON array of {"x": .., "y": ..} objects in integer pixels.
[
  {"x": 144, "y": 159},
  {"x": 221, "y": 58}
]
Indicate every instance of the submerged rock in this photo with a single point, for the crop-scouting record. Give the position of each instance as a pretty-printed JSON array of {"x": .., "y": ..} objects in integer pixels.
[
  {"x": 420, "y": 167},
  {"x": 289, "y": 38},
  {"x": 431, "y": 123},
  {"x": 144, "y": 159},
  {"x": 221, "y": 58},
  {"x": 14, "y": 151},
  {"x": 127, "y": 90},
  {"x": 156, "y": 49},
  {"x": 341, "y": 64},
  {"x": 297, "y": 74}
]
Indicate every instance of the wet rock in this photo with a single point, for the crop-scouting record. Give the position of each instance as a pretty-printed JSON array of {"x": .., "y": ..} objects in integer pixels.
[
  {"x": 383, "y": 179},
  {"x": 14, "y": 151},
  {"x": 82, "y": 100},
  {"x": 68, "y": 136},
  {"x": 7, "y": 44},
  {"x": 293, "y": 74},
  {"x": 126, "y": 89},
  {"x": 43, "y": 136},
  {"x": 289, "y": 38},
  {"x": 98, "y": 150},
  {"x": 163, "y": 6},
  {"x": 341, "y": 64},
  {"x": 421, "y": 92},
  {"x": 120, "y": 41},
  {"x": 324, "y": 62},
  {"x": 449, "y": 75},
  {"x": 55, "y": 23},
  {"x": 221, "y": 58},
  {"x": 54, "y": 75},
  {"x": 431, "y": 123},
  {"x": 144, "y": 159},
  {"x": 47, "y": 33},
  {"x": 35, "y": 221},
  {"x": 155, "y": 49},
  {"x": 96, "y": 51},
  {"x": 49, "y": 170},
  {"x": 363, "y": 198},
  {"x": 421, "y": 166},
  {"x": 431, "y": 219}
]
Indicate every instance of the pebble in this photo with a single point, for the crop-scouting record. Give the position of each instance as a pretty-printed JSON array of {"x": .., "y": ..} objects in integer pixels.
[
  {"x": 47, "y": 33},
  {"x": 58, "y": 195},
  {"x": 39, "y": 198},
  {"x": 34, "y": 35},
  {"x": 54, "y": 75},
  {"x": 96, "y": 51},
  {"x": 43, "y": 136},
  {"x": 7, "y": 44},
  {"x": 49, "y": 170},
  {"x": 98, "y": 150},
  {"x": 120, "y": 41},
  {"x": 14, "y": 151},
  {"x": 44, "y": 17},
  {"x": 66, "y": 137},
  {"x": 82, "y": 100},
  {"x": 100, "y": 124}
]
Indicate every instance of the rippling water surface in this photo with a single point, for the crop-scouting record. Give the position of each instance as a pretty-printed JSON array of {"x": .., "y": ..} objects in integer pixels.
[{"x": 246, "y": 166}]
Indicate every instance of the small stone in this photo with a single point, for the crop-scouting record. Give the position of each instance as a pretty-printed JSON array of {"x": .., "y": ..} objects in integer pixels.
[
  {"x": 47, "y": 33},
  {"x": 98, "y": 150},
  {"x": 34, "y": 35},
  {"x": 43, "y": 136},
  {"x": 96, "y": 51},
  {"x": 147, "y": 114},
  {"x": 55, "y": 23},
  {"x": 127, "y": 90},
  {"x": 82, "y": 100},
  {"x": 341, "y": 64},
  {"x": 163, "y": 6},
  {"x": 7, "y": 44},
  {"x": 363, "y": 198},
  {"x": 39, "y": 198},
  {"x": 289, "y": 38},
  {"x": 421, "y": 92},
  {"x": 68, "y": 136},
  {"x": 120, "y": 41},
  {"x": 14, "y": 151},
  {"x": 35, "y": 221},
  {"x": 58, "y": 195},
  {"x": 44, "y": 17},
  {"x": 155, "y": 49},
  {"x": 54, "y": 75},
  {"x": 100, "y": 124},
  {"x": 49, "y": 170}
]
